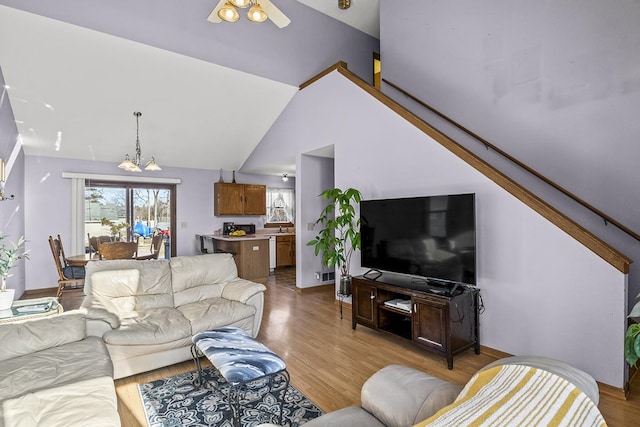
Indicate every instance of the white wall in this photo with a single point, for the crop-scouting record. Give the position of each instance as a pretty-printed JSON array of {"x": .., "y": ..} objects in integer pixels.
[{"x": 544, "y": 292}]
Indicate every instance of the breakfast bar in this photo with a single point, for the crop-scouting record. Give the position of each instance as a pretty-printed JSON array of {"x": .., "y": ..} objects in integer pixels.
[{"x": 250, "y": 252}]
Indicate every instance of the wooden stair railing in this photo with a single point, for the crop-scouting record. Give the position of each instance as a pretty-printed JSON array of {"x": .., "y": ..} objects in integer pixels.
[
  {"x": 606, "y": 218},
  {"x": 588, "y": 239}
]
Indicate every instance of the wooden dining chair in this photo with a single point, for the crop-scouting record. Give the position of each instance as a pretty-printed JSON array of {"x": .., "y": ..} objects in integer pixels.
[
  {"x": 118, "y": 250},
  {"x": 67, "y": 274},
  {"x": 156, "y": 245},
  {"x": 93, "y": 241}
]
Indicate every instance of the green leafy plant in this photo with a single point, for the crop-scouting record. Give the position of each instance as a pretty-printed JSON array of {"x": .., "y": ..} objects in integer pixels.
[
  {"x": 114, "y": 227},
  {"x": 632, "y": 338},
  {"x": 9, "y": 257},
  {"x": 340, "y": 234}
]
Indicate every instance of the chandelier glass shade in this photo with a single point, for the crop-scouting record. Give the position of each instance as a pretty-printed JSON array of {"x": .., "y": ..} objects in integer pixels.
[
  {"x": 133, "y": 165},
  {"x": 229, "y": 13}
]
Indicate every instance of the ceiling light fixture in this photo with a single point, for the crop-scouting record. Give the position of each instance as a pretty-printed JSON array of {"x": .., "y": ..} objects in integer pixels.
[
  {"x": 285, "y": 177},
  {"x": 229, "y": 13},
  {"x": 134, "y": 165},
  {"x": 344, "y": 4}
]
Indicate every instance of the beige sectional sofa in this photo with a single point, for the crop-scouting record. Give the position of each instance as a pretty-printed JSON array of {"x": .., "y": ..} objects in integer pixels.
[
  {"x": 147, "y": 311},
  {"x": 52, "y": 374}
]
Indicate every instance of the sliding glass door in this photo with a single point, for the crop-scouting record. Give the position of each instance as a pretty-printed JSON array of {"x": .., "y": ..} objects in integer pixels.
[{"x": 130, "y": 211}]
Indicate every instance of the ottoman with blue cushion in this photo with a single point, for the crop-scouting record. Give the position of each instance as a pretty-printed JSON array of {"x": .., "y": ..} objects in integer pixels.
[{"x": 240, "y": 360}]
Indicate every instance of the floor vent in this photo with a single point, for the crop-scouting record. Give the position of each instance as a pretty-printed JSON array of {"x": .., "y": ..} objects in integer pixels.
[{"x": 326, "y": 276}]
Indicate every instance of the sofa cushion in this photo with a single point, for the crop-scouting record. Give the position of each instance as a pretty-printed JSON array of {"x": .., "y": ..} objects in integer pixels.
[
  {"x": 55, "y": 366},
  {"x": 216, "y": 312},
  {"x": 152, "y": 289},
  {"x": 19, "y": 338},
  {"x": 412, "y": 395},
  {"x": 149, "y": 326},
  {"x": 194, "y": 277},
  {"x": 90, "y": 402}
]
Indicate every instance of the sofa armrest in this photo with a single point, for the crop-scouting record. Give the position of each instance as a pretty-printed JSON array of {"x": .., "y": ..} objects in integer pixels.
[
  {"x": 241, "y": 290},
  {"x": 577, "y": 377},
  {"x": 100, "y": 309},
  {"x": 401, "y": 396}
]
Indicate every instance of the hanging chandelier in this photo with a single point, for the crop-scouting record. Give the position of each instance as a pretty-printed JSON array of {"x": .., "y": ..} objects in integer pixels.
[{"x": 134, "y": 165}]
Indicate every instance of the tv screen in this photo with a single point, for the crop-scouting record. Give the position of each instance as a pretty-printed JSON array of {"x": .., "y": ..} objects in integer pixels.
[{"x": 433, "y": 237}]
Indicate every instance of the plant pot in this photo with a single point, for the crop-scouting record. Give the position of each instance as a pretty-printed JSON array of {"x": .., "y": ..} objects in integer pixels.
[
  {"x": 6, "y": 299},
  {"x": 345, "y": 285}
]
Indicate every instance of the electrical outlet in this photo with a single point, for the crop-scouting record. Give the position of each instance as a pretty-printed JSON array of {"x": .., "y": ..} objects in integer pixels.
[
  {"x": 184, "y": 224},
  {"x": 310, "y": 226}
]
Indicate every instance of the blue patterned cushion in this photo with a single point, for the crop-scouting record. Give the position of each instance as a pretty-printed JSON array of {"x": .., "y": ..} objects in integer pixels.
[{"x": 238, "y": 357}]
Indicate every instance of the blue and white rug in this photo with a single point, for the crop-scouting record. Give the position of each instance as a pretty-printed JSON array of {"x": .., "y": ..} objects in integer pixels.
[{"x": 177, "y": 402}]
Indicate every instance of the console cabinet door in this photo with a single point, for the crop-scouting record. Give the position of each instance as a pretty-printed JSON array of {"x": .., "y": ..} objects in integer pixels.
[
  {"x": 430, "y": 323},
  {"x": 364, "y": 304}
]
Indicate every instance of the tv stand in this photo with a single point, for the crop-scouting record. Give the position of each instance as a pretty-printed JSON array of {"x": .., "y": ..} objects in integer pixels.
[{"x": 443, "y": 324}]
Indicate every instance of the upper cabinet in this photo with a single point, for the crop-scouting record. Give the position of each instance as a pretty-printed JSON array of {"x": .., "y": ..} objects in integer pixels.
[{"x": 239, "y": 199}]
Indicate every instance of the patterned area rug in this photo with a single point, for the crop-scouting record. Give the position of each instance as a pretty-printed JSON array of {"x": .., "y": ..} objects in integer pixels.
[{"x": 175, "y": 401}]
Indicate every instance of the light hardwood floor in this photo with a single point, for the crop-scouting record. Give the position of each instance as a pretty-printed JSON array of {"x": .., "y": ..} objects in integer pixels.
[{"x": 329, "y": 362}]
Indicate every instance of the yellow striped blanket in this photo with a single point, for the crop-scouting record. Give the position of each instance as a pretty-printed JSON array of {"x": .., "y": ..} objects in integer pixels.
[{"x": 518, "y": 395}]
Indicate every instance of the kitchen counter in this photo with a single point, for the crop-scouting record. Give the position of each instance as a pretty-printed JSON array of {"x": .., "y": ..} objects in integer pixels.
[
  {"x": 238, "y": 238},
  {"x": 250, "y": 252}
]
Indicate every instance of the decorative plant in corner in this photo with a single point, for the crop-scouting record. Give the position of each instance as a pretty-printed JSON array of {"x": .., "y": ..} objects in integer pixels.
[
  {"x": 9, "y": 257},
  {"x": 632, "y": 338},
  {"x": 340, "y": 234}
]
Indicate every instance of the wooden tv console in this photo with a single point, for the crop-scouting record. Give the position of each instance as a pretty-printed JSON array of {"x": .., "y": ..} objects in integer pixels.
[{"x": 442, "y": 324}]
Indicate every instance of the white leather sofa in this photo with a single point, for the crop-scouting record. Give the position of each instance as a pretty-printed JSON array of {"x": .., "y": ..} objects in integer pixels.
[
  {"x": 52, "y": 374},
  {"x": 147, "y": 311}
]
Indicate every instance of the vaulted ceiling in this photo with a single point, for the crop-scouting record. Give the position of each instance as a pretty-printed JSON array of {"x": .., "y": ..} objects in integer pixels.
[{"x": 208, "y": 92}]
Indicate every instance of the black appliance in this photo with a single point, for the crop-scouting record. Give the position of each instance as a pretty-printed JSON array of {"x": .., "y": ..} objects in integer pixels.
[
  {"x": 432, "y": 237},
  {"x": 247, "y": 228},
  {"x": 228, "y": 227}
]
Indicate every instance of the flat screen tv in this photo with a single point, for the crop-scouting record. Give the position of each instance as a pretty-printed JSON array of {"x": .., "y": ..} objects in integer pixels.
[{"x": 432, "y": 237}]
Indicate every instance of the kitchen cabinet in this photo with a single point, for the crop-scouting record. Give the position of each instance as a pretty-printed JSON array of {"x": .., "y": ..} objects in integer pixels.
[
  {"x": 285, "y": 251},
  {"x": 239, "y": 199}
]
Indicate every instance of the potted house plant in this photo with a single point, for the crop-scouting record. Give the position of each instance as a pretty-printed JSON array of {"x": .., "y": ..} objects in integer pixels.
[
  {"x": 9, "y": 257},
  {"x": 340, "y": 234},
  {"x": 632, "y": 338}
]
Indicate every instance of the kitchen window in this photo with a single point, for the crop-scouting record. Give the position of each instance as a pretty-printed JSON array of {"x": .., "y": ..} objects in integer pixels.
[{"x": 280, "y": 207}]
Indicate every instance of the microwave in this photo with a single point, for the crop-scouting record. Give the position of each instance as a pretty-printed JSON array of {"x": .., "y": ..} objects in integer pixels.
[{"x": 247, "y": 228}]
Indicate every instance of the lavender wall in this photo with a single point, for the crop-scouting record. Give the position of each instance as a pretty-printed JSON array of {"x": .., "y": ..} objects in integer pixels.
[
  {"x": 317, "y": 175},
  {"x": 309, "y": 44},
  {"x": 530, "y": 272},
  {"x": 48, "y": 207},
  {"x": 554, "y": 84},
  {"x": 12, "y": 222}
]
